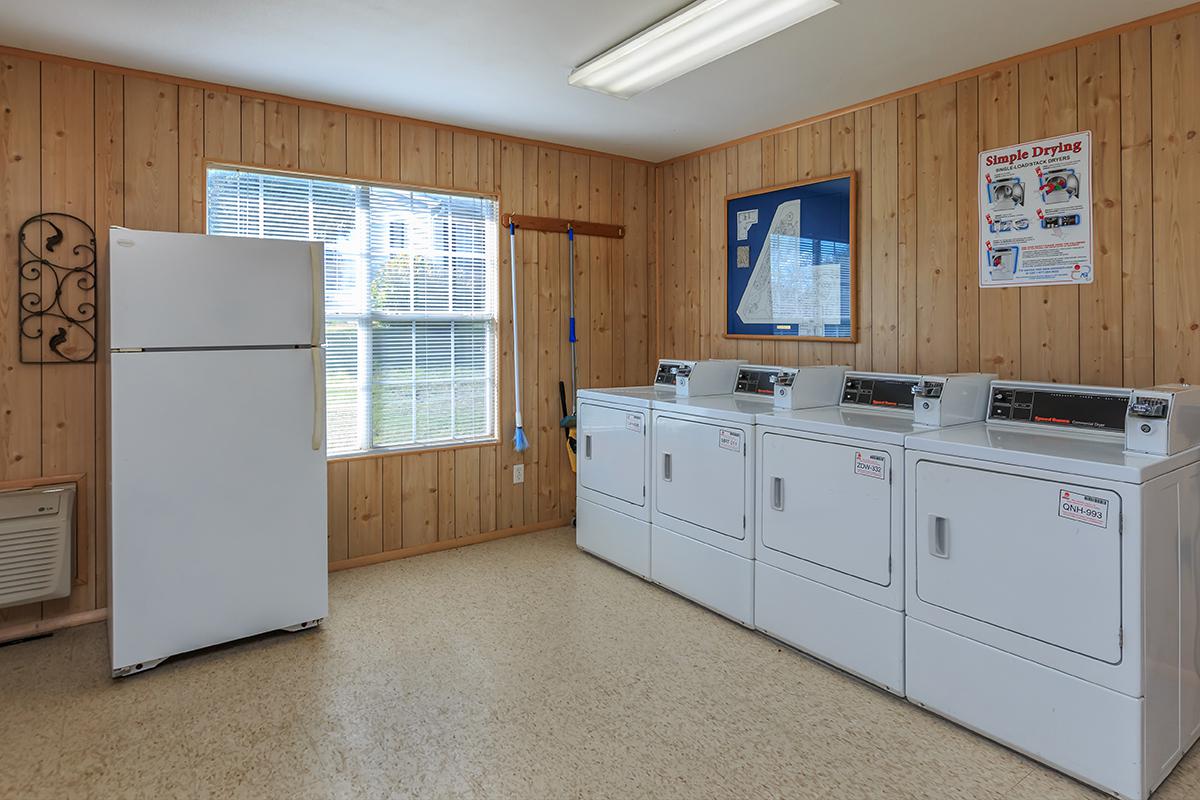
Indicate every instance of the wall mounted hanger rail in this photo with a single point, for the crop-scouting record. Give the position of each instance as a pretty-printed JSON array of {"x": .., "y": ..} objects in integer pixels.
[{"x": 556, "y": 225}]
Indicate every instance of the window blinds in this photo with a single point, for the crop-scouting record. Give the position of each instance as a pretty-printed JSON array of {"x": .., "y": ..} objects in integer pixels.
[{"x": 410, "y": 300}]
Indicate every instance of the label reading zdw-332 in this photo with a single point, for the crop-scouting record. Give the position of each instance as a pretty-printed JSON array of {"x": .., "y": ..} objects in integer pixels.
[
  {"x": 1083, "y": 508},
  {"x": 870, "y": 465}
]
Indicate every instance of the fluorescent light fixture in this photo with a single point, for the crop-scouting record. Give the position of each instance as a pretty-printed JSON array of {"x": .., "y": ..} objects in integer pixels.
[{"x": 695, "y": 35}]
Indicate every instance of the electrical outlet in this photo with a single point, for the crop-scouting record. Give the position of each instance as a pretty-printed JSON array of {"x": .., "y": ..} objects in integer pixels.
[{"x": 518, "y": 473}]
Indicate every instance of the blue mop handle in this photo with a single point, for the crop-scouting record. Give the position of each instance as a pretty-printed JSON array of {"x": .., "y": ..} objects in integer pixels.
[{"x": 571, "y": 328}]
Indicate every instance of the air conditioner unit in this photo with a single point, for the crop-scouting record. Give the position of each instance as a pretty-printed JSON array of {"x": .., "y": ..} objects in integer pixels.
[{"x": 36, "y": 526}]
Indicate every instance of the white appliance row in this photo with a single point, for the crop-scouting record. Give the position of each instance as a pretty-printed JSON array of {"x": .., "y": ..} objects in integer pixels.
[{"x": 1021, "y": 558}]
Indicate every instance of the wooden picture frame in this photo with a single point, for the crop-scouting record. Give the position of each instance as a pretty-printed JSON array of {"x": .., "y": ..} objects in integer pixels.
[{"x": 771, "y": 198}]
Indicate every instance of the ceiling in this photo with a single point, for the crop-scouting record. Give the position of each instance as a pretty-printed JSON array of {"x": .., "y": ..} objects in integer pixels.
[{"x": 502, "y": 66}]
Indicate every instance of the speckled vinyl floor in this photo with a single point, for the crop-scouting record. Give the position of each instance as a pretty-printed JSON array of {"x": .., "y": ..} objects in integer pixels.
[{"x": 516, "y": 669}]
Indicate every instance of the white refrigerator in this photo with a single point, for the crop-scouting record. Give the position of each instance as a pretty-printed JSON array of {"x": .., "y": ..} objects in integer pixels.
[{"x": 217, "y": 464}]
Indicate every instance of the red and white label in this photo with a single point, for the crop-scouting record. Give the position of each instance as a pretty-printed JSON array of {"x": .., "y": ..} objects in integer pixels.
[
  {"x": 871, "y": 465},
  {"x": 730, "y": 440},
  {"x": 1083, "y": 508}
]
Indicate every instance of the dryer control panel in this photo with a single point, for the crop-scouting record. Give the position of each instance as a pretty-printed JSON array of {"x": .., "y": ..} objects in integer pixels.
[
  {"x": 1163, "y": 420},
  {"x": 668, "y": 368},
  {"x": 952, "y": 399},
  {"x": 809, "y": 387},
  {"x": 702, "y": 378},
  {"x": 1051, "y": 405},
  {"x": 879, "y": 390}
]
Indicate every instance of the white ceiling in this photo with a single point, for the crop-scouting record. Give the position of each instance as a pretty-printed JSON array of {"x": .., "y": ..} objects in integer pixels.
[{"x": 502, "y": 66}]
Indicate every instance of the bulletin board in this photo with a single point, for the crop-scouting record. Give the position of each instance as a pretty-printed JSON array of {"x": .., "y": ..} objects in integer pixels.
[{"x": 792, "y": 261}]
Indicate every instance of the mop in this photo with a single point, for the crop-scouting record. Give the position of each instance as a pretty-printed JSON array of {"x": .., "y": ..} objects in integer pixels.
[
  {"x": 519, "y": 441},
  {"x": 567, "y": 423}
]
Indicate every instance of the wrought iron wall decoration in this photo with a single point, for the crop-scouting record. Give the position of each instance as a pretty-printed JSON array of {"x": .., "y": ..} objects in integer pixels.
[{"x": 56, "y": 264}]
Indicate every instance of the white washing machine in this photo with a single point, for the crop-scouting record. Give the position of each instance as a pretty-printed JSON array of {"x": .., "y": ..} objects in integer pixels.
[
  {"x": 1053, "y": 571},
  {"x": 612, "y": 514},
  {"x": 702, "y": 532},
  {"x": 829, "y": 569}
]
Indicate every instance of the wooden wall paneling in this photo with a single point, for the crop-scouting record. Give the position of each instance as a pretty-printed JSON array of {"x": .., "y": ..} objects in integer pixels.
[
  {"x": 489, "y": 163},
  {"x": 718, "y": 167},
  {"x": 692, "y": 289},
  {"x": 749, "y": 177},
  {"x": 465, "y": 169},
  {"x": 323, "y": 140},
  {"x": 843, "y": 158},
  {"x": 338, "y": 509},
  {"x": 1176, "y": 120},
  {"x": 1137, "y": 221},
  {"x": 529, "y": 269},
  {"x": 562, "y": 192},
  {"x": 598, "y": 275},
  {"x": 419, "y": 499},
  {"x": 254, "y": 131},
  {"x": 418, "y": 143},
  {"x": 885, "y": 237},
  {"x": 365, "y": 489},
  {"x": 151, "y": 154},
  {"x": 222, "y": 126},
  {"x": 510, "y": 507},
  {"x": 488, "y": 501},
  {"x": 69, "y": 390},
  {"x": 191, "y": 160},
  {"x": 999, "y": 309},
  {"x": 1100, "y": 303},
  {"x": 110, "y": 210},
  {"x": 393, "y": 502},
  {"x": 966, "y": 123},
  {"x": 672, "y": 273},
  {"x": 705, "y": 267},
  {"x": 937, "y": 230},
  {"x": 447, "y": 527},
  {"x": 281, "y": 129},
  {"x": 389, "y": 150},
  {"x": 906, "y": 243},
  {"x": 364, "y": 146},
  {"x": 637, "y": 289},
  {"x": 767, "y": 178},
  {"x": 465, "y": 496},
  {"x": 1049, "y": 315},
  {"x": 616, "y": 278},
  {"x": 445, "y": 158},
  {"x": 863, "y": 147}
]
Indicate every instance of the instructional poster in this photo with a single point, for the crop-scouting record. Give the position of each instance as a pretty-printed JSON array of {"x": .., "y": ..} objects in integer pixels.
[{"x": 1035, "y": 209}]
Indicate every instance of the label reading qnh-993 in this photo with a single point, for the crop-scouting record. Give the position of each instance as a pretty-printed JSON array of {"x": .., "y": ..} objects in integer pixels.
[{"x": 1083, "y": 508}]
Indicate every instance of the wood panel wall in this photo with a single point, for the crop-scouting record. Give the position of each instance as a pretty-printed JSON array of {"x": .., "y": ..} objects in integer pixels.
[
  {"x": 119, "y": 148},
  {"x": 920, "y": 308}
]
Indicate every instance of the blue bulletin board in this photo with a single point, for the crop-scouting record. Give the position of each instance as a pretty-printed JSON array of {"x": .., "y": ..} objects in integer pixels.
[{"x": 791, "y": 270}]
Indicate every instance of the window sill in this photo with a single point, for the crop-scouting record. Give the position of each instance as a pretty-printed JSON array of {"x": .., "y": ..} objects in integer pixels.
[{"x": 414, "y": 449}]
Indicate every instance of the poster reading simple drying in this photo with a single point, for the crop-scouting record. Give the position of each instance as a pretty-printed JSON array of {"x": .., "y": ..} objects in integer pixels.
[{"x": 1035, "y": 213}]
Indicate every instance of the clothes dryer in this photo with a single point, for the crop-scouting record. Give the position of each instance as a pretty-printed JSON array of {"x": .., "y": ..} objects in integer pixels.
[{"x": 1053, "y": 570}]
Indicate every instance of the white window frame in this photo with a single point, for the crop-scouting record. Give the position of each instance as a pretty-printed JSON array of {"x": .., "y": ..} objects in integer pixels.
[{"x": 364, "y": 320}]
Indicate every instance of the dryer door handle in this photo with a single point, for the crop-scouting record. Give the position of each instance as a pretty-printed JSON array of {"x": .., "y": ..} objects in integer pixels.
[
  {"x": 777, "y": 493},
  {"x": 667, "y": 467},
  {"x": 939, "y": 536},
  {"x": 587, "y": 445}
]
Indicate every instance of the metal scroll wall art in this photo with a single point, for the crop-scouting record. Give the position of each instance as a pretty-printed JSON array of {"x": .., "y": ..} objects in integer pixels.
[{"x": 57, "y": 269}]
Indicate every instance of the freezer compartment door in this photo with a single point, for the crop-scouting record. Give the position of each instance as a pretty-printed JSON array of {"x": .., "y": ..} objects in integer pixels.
[
  {"x": 1037, "y": 557},
  {"x": 700, "y": 474},
  {"x": 184, "y": 290},
  {"x": 829, "y": 504},
  {"x": 218, "y": 498},
  {"x": 612, "y": 446}
]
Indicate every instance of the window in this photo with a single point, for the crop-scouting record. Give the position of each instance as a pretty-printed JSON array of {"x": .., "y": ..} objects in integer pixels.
[{"x": 410, "y": 300}]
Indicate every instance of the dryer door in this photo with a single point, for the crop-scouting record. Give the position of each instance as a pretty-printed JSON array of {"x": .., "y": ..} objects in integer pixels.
[
  {"x": 1037, "y": 557},
  {"x": 700, "y": 474},
  {"x": 612, "y": 446},
  {"x": 829, "y": 504}
]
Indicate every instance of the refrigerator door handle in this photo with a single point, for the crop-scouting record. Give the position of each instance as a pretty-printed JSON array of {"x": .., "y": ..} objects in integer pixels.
[
  {"x": 318, "y": 431},
  {"x": 317, "y": 257}
]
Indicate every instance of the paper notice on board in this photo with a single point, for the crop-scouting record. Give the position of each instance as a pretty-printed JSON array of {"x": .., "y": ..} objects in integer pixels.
[
  {"x": 744, "y": 220},
  {"x": 1035, "y": 213}
]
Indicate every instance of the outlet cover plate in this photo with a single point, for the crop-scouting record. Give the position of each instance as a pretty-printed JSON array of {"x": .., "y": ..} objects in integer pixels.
[{"x": 518, "y": 473}]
